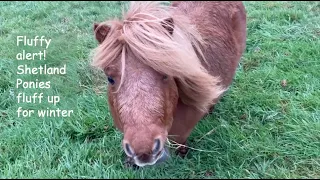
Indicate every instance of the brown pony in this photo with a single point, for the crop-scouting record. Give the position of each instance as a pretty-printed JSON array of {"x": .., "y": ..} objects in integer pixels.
[{"x": 167, "y": 66}]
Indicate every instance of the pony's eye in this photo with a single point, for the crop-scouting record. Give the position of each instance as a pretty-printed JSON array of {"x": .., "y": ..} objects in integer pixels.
[
  {"x": 165, "y": 77},
  {"x": 111, "y": 81}
]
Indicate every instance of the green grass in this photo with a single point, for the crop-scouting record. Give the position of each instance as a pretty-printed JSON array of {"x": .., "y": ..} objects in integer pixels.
[{"x": 260, "y": 129}]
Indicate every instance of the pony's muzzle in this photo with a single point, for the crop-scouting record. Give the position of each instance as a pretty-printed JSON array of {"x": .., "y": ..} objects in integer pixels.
[
  {"x": 159, "y": 154},
  {"x": 144, "y": 158},
  {"x": 147, "y": 159}
]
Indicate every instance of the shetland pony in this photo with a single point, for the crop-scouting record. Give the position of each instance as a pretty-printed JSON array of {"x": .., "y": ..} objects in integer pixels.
[{"x": 167, "y": 66}]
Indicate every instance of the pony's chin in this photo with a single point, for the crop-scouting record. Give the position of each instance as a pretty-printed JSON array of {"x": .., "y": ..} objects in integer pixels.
[{"x": 159, "y": 159}]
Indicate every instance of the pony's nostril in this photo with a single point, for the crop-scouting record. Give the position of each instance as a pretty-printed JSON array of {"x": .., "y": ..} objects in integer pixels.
[
  {"x": 156, "y": 146},
  {"x": 128, "y": 150}
]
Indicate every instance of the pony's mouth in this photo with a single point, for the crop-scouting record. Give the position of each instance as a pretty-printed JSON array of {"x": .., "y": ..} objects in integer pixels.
[{"x": 158, "y": 158}]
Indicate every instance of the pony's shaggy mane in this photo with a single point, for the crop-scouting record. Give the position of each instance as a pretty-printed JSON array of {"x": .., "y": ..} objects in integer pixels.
[{"x": 178, "y": 55}]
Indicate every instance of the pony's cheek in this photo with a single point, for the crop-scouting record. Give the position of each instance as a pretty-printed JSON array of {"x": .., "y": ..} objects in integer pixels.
[
  {"x": 118, "y": 123},
  {"x": 172, "y": 102},
  {"x": 114, "y": 113}
]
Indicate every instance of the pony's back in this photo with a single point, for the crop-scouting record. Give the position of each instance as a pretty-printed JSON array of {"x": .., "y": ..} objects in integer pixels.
[{"x": 223, "y": 27}]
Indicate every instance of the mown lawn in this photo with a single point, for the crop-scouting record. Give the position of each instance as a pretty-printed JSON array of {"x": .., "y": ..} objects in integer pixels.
[{"x": 266, "y": 126}]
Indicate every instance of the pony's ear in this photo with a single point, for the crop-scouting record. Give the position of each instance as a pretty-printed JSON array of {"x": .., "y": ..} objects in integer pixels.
[
  {"x": 100, "y": 33},
  {"x": 168, "y": 25}
]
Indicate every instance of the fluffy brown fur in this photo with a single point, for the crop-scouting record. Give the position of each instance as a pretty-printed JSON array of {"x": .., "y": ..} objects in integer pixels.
[
  {"x": 142, "y": 32},
  {"x": 170, "y": 64}
]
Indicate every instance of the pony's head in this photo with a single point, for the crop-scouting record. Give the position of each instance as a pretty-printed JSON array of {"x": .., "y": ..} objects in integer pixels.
[{"x": 151, "y": 58}]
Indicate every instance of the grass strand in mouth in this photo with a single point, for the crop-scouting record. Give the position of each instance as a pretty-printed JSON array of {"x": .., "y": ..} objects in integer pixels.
[{"x": 176, "y": 145}]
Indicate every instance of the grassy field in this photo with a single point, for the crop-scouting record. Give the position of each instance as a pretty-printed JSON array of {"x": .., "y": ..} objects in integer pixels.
[{"x": 266, "y": 126}]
